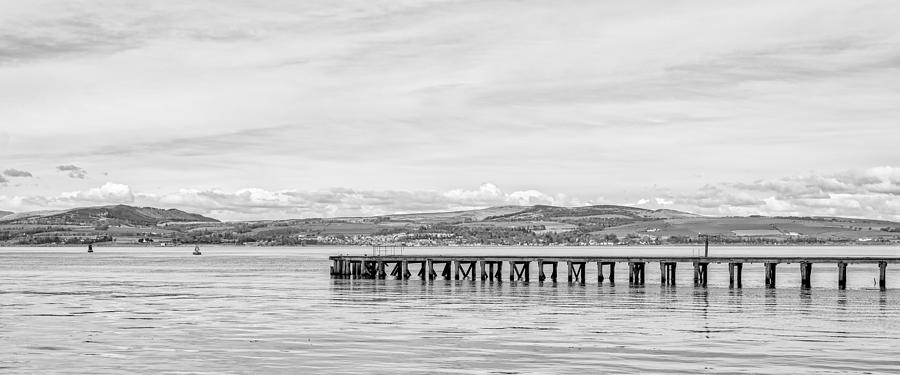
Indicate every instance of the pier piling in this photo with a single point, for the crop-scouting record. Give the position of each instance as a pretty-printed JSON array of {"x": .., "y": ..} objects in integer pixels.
[
  {"x": 701, "y": 273},
  {"x": 842, "y": 275},
  {"x": 543, "y": 276},
  {"x": 636, "y": 273},
  {"x": 734, "y": 274},
  {"x": 770, "y": 274},
  {"x": 667, "y": 273},
  {"x": 381, "y": 273},
  {"x": 577, "y": 271},
  {"x": 491, "y": 268},
  {"x": 805, "y": 275}
]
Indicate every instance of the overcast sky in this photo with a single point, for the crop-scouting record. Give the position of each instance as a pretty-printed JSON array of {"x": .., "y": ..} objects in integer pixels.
[{"x": 276, "y": 109}]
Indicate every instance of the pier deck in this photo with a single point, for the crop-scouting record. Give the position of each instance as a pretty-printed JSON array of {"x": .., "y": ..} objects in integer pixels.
[{"x": 462, "y": 267}]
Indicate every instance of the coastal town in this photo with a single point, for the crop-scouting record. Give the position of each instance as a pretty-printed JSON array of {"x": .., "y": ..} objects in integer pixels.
[{"x": 500, "y": 226}]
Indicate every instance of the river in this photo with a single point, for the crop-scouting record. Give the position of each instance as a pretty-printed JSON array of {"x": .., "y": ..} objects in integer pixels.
[{"x": 277, "y": 310}]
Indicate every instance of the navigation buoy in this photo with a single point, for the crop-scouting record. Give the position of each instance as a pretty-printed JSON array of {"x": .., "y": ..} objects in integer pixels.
[
  {"x": 197, "y": 250},
  {"x": 90, "y": 248}
]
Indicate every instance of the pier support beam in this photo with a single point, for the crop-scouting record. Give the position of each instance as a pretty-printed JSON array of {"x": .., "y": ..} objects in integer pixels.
[
  {"x": 464, "y": 270},
  {"x": 734, "y": 275},
  {"x": 447, "y": 272},
  {"x": 636, "y": 273},
  {"x": 498, "y": 275},
  {"x": 543, "y": 276},
  {"x": 364, "y": 269},
  {"x": 429, "y": 270},
  {"x": 577, "y": 271},
  {"x": 599, "y": 272},
  {"x": 882, "y": 275},
  {"x": 404, "y": 270},
  {"x": 701, "y": 273},
  {"x": 612, "y": 272},
  {"x": 770, "y": 274},
  {"x": 481, "y": 271},
  {"x": 667, "y": 273},
  {"x": 805, "y": 275},
  {"x": 380, "y": 270},
  {"x": 842, "y": 275},
  {"x": 519, "y": 271}
]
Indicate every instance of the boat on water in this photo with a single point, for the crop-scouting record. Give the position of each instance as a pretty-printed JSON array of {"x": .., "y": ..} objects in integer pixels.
[
  {"x": 90, "y": 248},
  {"x": 197, "y": 250}
]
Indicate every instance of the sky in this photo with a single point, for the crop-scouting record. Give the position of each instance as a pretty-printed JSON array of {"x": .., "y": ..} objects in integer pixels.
[{"x": 246, "y": 110}]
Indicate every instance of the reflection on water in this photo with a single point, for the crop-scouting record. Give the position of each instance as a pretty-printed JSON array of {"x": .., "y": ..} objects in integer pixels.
[{"x": 277, "y": 310}]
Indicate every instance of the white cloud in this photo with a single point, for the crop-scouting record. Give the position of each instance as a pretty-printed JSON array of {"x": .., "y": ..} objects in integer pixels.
[
  {"x": 663, "y": 201},
  {"x": 867, "y": 193},
  {"x": 109, "y": 193},
  {"x": 255, "y": 203},
  {"x": 349, "y": 91}
]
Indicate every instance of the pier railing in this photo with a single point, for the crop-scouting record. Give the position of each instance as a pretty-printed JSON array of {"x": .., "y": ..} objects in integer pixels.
[
  {"x": 519, "y": 267},
  {"x": 387, "y": 250}
]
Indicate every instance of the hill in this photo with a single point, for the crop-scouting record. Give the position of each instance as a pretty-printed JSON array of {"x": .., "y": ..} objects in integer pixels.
[
  {"x": 505, "y": 225},
  {"x": 109, "y": 215},
  {"x": 5, "y": 213}
]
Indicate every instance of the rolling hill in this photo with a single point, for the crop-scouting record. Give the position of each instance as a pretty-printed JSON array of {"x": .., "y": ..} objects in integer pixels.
[
  {"x": 505, "y": 225},
  {"x": 113, "y": 215}
]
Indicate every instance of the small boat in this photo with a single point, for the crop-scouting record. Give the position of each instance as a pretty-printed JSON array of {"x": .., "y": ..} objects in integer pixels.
[
  {"x": 90, "y": 248},
  {"x": 196, "y": 249}
]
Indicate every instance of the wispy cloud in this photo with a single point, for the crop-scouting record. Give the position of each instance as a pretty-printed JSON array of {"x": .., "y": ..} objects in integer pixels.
[
  {"x": 581, "y": 97},
  {"x": 259, "y": 203},
  {"x": 12, "y": 172},
  {"x": 255, "y": 203},
  {"x": 73, "y": 171},
  {"x": 866, "y": 193},
  {"x": 872, "y": 193}
]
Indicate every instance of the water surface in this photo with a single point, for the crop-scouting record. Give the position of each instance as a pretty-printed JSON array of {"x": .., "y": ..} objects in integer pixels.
[{"x": 276, "y": 310}]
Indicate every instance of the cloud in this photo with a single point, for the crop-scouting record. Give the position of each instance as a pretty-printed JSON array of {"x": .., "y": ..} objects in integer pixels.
[
  {"x": 107, "y": 194},
  {"x": 872, "y": 193},
  {"x": 3, "y": 180},
  {"x": 261, "y": 203},
  {"x": 257, "y": 204},
  {"x": 16, "y": 173},
  {"x": 73, "y": 170}
]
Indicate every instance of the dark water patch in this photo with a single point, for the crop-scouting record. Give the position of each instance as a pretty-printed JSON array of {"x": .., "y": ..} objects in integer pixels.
[{"x": 48, "y": 348}]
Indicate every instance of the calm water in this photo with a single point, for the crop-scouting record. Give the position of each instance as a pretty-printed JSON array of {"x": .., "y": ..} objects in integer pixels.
[{"x": 276, "y": 310}]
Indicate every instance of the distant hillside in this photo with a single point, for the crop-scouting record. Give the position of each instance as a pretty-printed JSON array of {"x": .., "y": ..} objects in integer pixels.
[
  {"x": 587, "y": 213},
  {"x": 112, "y": 215},
  {"x": 5, "y": 213},
  {"x": 505, "y": 225},
  {"x": 456, "y": 216}
]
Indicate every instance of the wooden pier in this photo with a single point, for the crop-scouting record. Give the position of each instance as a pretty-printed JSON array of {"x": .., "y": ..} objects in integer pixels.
[{"x": 519, "y": 267}]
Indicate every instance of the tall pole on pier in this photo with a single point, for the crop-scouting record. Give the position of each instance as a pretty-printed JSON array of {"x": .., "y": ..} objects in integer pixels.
[{"x": 706, "y": 246}]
